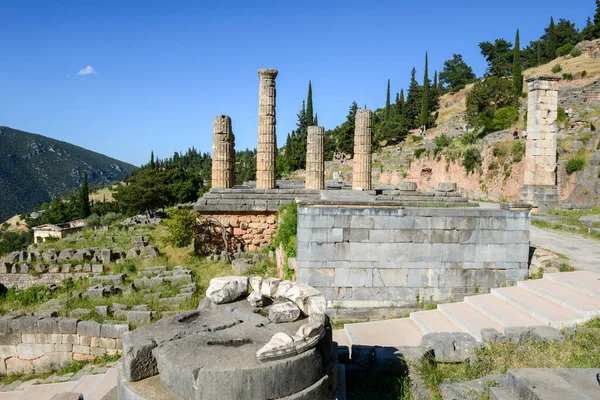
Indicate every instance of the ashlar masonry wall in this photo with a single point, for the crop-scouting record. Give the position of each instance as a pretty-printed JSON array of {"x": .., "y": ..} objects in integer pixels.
[
  {"x": 32, "y": 344},
  {"x": 381, "y": 256}
]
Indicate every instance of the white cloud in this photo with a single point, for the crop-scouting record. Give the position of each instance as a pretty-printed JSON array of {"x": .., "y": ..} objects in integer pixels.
[{"x": 86, "y": 71}]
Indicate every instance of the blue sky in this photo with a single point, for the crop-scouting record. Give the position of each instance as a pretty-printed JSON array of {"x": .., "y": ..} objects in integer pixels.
[{"x": 162, "y": 70}]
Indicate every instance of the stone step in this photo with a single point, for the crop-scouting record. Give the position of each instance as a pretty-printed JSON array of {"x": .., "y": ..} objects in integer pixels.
[
  {"x": 392, "y": 332},
  {"x": 9, "y": 395},
  {"x": 342, "y": 339},
  {"x": 564, "y": 296},
  {"x": 85, "y": 384},
  {"x": 105, "y": 385},
  {"x": 501, "y": 311},
  {"x": 500, "y": 393},
  {"x": 554, "y": 384},
  {"x": 542, "y": 309},
  {"x": 44, "y": 392},
  {"x": 434, "y": 321},
  {"x": 469, "y": 319},
  {"x": 582, "y": 281}
]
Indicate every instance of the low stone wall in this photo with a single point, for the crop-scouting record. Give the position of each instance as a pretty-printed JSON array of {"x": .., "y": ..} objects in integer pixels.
[
  {"x": 250, "y": 230},
  {"x": 32, "y": 344},
  {"x": 23, "y": 281},
  {"x": 363, "y": 255}
]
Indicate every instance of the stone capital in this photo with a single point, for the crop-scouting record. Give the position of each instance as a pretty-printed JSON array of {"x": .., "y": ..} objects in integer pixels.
[{"x": 268, "y": 73}]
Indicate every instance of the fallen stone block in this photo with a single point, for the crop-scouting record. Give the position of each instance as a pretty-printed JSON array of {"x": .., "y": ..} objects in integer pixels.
[
  {"x": 256, "y": 299},
  {"x": 471, "y": 390},
  {"x": 450, "y": 347},
  {"x": 138, "y": 318},
  {"x": 67, "y": 396},
  {"x": 227, "y": 289},
  {"x": 80, "y": 312},
  {"x": 284, "y": 312},
  {"x": 102, "y": 310}
]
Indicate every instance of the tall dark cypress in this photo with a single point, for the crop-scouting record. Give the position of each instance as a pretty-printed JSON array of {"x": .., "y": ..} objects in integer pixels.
[
  {"x": 413, "y": 97},
  {"x": 551, "y": 41},
  {"x": 85, "y": 209},
  {"x": 425, "y": 97},
  {"x": 316, "y": 121},
  {"x": 517, "y": 69},
  {"x": 310, "y": 121},
  {"x": 387, "y": 103},
  {"x": 152, "y": 164}
]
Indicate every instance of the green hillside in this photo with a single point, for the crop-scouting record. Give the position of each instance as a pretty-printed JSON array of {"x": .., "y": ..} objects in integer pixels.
[{"x": 34, "y": 169}]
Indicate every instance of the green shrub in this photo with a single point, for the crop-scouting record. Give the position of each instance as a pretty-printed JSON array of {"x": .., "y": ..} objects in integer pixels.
[
  {"x": 493, "y": 166},
  {"x": 468, "y": 138},
  {"x": 556, "y": 69},
  {"x": 567, "y": 76},
  {"x": 575, "y": 52},
  {"x": 443, "y": 140},
  {"x": 561, "y": 114},
  {"x": 110, "y": 218},
  {"x": 575, "y": 164},
  {"x": 505, "y": 117},
  {"x": 564, "y": 50},
  {"x": 583, "y": 74},
  {"x": 499, "y": 151},
  {"x": 419, "y": 152},
  {"x": 28, "y": 297},
  {"x": 518, "y": 150},
  {"x": 471, "y": 159},
  {"x": 416, "y": 138},
  {"x": 180, "y": 224},
  {"x": 288, "y": 226}
]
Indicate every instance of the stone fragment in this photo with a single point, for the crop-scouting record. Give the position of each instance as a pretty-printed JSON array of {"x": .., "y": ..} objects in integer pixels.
[
  {"x": 256, "y": 299},
  {"x": 102, "y": 310},
  {"x": 446, "y": 187},
  {"x": 256, "y": 282},
  {"x": 282, "y": 289},
  {"x": 80, "y": 312},
  {"x": 227, "y": 289},
  {"x": 299, "y": 294},
  {"x": 114, "y": 331},
  {"x": 450, "y": 347},
  {"x": 316, "y": 305},
  {"x": 284, "y": 312},
  {"x": 97, "y": 268},
  {"x": 67, "y": 396},
  {"x": 269, "y": 286},
  {"x": 138, "y": 318},
  {"x": 280, "y": 346},
  {"x": 149, "y": 251},
  {"x": 141, "y": 307}
]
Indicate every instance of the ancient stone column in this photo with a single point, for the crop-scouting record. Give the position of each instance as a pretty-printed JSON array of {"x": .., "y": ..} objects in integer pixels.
[
  {"x": 361, "y": 173},
  {"x": 315, "y": 168},
  {"x": 539, "y": 183},
  {"x": 223, "y": 155},
  {"x": 267, "y": 146}
]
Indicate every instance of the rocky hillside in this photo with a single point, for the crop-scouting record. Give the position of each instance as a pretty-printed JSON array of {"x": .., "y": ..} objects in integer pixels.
[{"x": 34, "y": 169}]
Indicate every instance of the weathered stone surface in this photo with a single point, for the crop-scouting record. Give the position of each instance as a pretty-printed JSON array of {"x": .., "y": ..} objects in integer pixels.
[
  {"x": 595, "y": 158},
  {"x": 269, "y": 286},
  {"x": 407, "y": 186},
  {"x": 267, "y": 146},
  {"x": 88, "y": 328},
  {"x": 450, "y": 347},
  {"x": 446, "y": 187},
  {"x": 592, "y": 220},
  {"x": 114, "y": 331},
  {"x": 471, "y": 390},
  {"x": 284, "y": 312},
  {"x": 256, "y": 299},
  {"x": 299, "y": 294},
  {"x": 102, "y": 310},
  {"x": 315, "y": 177},
  {"x": 241, "y": 266},
  {"x": 227, "y": 289},
  {"x": 361, "y": 173},
  {"x": 223, "y": 160},
  {"x": 67, "y": 396},
  {"x": 149, "y": 251},
  {"x": 138, "y": 318},
  {"x": 255, "y": 283},
  {"x": 280, "y": 346},
  {"x": 112, "y": 279}
]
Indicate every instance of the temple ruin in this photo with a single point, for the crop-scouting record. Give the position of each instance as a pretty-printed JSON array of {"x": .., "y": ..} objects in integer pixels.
[
  {"x": 223, "y": 156},
  {"x": 361, "y": 175},
  {"x": 267, "y": 146},
  {"x": 315, "y": 178}
]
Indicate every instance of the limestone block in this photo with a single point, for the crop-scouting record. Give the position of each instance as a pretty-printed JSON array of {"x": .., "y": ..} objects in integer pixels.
[
  {"x": 299, "y": 294},
  {"x": 30, "y": 351},
  {"x": 227, "y": 289},
  {"x": 316, "y": 305},
  {"x": 67, "y": 396},
  {"x": 447, "y": 187},
  {"x": 28, "y": 338},
  {"x": 69, "y": 339},
  {"x": 98, "y": 351},
  {"x": 407, "y": 186},
  {"x": 82, "y": 357},
  {"x": 269, "y": 286},
  {"x": 108, "y": 343},
  {"x": 9, "y": 339},
  {"x": 450, "y": 347},
  {"x": 284, "y": 312},
  {"x": 15, "y": 365},
  {"x": 63, "y": 347},
  {"x": 81, "y": 349},
  {"x": 256, "y": 299},
  {"x": 8, "y": 351},
  {"x": 280, "y": 346},
  {"x": 138, "y": 318},
  {"x": 282, "y": 288},
  {"x": 88, "y": 328}
]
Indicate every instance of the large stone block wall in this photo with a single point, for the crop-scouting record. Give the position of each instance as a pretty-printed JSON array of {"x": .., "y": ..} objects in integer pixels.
[
  {"x": 253, "y": 230},
  {"x": 372, "y": 256},
  {"x": 32, "y": 344}
]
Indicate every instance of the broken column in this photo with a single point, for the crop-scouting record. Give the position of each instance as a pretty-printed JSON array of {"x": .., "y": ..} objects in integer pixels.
[
  {"x": 267, "y": 146},
  {"x": 223, "y": 157},
  {"x": 539, "y": 183},
  {"x": 314, "y": 158},
  {"x": 361, "y": 174}
]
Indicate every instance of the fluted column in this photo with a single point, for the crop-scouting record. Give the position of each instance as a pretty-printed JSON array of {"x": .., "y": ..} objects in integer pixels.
[
  {"x": 267, "y": 146},
  {"x": 361, "y": 174},
  {"x": 223, "y": 156},
  {"x": 314, "y": 158}
]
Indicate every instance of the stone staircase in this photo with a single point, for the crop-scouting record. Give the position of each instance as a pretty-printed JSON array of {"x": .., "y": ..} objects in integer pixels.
[
  {"x": 92, "y": 386},
  {"x": 558, "y": 300}
]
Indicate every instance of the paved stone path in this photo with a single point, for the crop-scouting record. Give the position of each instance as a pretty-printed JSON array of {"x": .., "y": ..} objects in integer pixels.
[{"x": 583, "y": 253}]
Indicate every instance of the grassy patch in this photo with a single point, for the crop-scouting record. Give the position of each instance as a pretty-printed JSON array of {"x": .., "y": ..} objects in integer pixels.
[
  {"x": 581, "y": 350},
  {"x": 567, "y": 221}
]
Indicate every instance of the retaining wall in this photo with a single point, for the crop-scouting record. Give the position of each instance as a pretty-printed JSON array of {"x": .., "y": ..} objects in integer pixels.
[
  {"x": 32, "y": 344},
  {"x": 361, "y": 255}
]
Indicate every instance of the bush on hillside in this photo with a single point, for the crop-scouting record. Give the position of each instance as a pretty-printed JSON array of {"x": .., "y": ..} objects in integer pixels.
[
  {"x": 561, "y": 114},
  {"x": 564, "y": 50},
  {"x": 419, "y": 152},
  {"x": 471, "y": 160},
  {"x": 583, "y": 74},
  {"x": 468, "y": 138},
  {"x": 556, "y": 69},
  {"x": 567, "y": 76},
  {"x": 505, "y": 117},
  {"x": 576, "y": 52},
  {"x": 486, "y": 97},
  {"x": 575, "y": 164},
  {"x": 518, "y": 150},
  {"x": 443, "y": 140}
]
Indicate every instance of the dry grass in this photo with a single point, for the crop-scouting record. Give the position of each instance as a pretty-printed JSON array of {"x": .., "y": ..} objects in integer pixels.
[
  {"x": 16, "y": 224},
  {"x": 453, "y": 104},
  {"x": 104, "y": 194},
  {"x": 572, "y": 65}
]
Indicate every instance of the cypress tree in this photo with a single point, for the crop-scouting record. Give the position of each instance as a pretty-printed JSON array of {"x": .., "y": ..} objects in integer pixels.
[
  {"x": 309, "y": 107},
  {"x": 425, "y": 97},
  {"x": 517, "y": 66},
  {"x": 387, "y": 102},
  {"x": 551, "y": 41},
  {"x": 152, "y": 164},
  {"x": 411, "y": 106},
  {"x": 316, "y": 121},
  {"x": 85, "y": 209}
]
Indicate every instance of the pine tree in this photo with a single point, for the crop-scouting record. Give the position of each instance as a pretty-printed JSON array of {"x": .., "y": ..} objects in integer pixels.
[
  {"x": 517, "y": 66},
  {"x": 589, "y": 31},
  {"x": 152, "y": 164},
  {"x": 387, "y": 103},
  {"x": 425, "y": 97},
  {"x": 412, "y": 105},
  {"x": 309, "y": 107},
  {"x": 85, "y": 209},
  {"x": 551, "y": 40}
]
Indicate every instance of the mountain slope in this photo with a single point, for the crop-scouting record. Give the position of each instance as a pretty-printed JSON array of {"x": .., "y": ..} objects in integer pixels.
[{"x": 34, "y": 169}]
